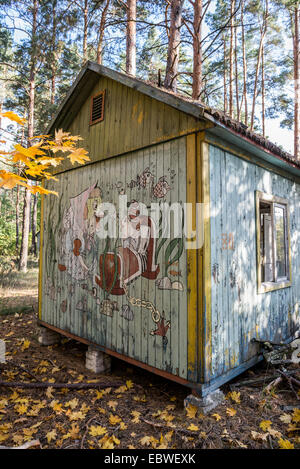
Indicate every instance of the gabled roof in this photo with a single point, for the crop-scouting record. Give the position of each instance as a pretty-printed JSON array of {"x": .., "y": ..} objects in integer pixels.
[{"x": 223, "y": 126}]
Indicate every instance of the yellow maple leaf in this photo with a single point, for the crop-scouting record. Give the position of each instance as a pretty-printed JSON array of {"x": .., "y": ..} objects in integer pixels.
[
  {"x": 296, "y": 415},
  {"x": 101, "y": 410},
  {"x": 18, "y": 439},
  {"x": 76, "y": 415},
  {"x": 217, "y": 417},
  {"x": 31, "y": 152},
  {"x": 74, "y": 432},
  {"x": 193, "y": 427},
  {"x": 13, "y": 117},
  {"x": 114, "y": 419},
  {"x": 108, "y": 442},
  {"x": 80, "y": 155},
  {"x": 3, "y": 437},
  {"x": 265, "y": 425},
  {"x": 274, "y": 433},
  {"x": 49, "y": 392},
  {"x": 285, "y": 444},
  {"x": 140, "y": 399},
  {"x": 258, "y": 436},
  {"x": 292, "y": 427},
  {"x": 171, "y": 407},
  {"x": 60, "y": 135},
  {"x": 20, "y": 157},
  {"x": 136, "y": 416},
  {"x": 72, "y": 404},
  {"x": 5, "y": 427},
  {"x": 57, "y": 407},
  {"x": 168, "y": 436},
  {"x": 230, "y": 411},
  {"x": 99, "y": 395},
  {"x": 9, "y": 180},
  {"x": 97, "y": 430},
  {"x": 146, "y": 440},
  {"x": 112, "y": 404},
  {"x": 21, "y": 409},
  {"x": 167, "y": 417},
  {"x": 41, "y": 190},
  {"x": 129, "y": 384},
  {"x": 121, "y": 389},
  {"x": 14, "y": 396},
  {"x": 191, "y": 411},
  {"x": 234, "y": 396},
  {"x": 25, "y": 345},
  {"x": 51, "y": 435},
  {"x": 62, "y": 148},
  {"x": 286, "y": 418}
]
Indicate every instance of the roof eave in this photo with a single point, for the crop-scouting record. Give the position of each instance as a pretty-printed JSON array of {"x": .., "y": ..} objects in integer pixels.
[{"x": 260, "y": 154}]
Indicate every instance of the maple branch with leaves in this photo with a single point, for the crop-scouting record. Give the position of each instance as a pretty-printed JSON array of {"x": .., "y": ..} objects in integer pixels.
[{"x": 36, "y": 160}]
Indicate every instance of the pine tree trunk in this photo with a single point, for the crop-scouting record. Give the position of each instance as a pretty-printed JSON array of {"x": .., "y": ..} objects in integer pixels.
[
  {"x": 53, "y": 46},
  {"x": 197, "y": 50},
  {"x": 263, "y": 112},
  {"x": 131, "y": 38},
  {"x": 33, "y": 226},
  {"x": 25, "y": 232},
  {"x": 18, "y": 217},
  {"x": 85, "y": 30},
  {"x": 225, "y": 75},
  {"x": 27, "y": 197},
  {"x": 296, "y": 53},
  {"x": 237, "y": 97},
  {"x": 260, "y": 49},
  {"x": 101, "y": 32},
  {"x": 245, "y": 98},
  {"x": 174, "y": 45},
  {"x": 231, "y": 53}
]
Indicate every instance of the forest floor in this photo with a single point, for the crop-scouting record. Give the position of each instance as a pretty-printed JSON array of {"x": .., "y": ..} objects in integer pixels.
[
  {"x": 18, "y": 290},
  {"x": 132, "y": 408}
]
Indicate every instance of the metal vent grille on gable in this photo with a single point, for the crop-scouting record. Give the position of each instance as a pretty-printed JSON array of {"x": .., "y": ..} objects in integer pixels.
[{"x": 97, "y": 108}]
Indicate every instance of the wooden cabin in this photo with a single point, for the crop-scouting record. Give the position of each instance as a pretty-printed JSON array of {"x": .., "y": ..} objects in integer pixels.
[{"x": 186, "y": 313}]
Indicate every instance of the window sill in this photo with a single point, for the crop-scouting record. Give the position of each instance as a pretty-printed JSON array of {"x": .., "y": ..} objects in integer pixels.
[{"x": 271, "y": 286}]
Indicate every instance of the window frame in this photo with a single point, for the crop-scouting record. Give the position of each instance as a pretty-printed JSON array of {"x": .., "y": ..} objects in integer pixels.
[
  {"x": 278, "y": 282},
  {"x": 100, "y": 93}
]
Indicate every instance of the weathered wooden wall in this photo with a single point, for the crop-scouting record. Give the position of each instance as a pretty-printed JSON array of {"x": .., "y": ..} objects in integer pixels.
[
  {"x": 132, "y": 120},
  {"x": 238, "y": 312},
  {"x": 70, "y": 304}
]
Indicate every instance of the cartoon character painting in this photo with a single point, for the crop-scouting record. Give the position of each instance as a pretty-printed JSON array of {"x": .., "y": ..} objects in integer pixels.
[
  {"x": 79, "y": 224},
  {"x": 120, "y": 262},
  {"x": 134, "y": 258}
]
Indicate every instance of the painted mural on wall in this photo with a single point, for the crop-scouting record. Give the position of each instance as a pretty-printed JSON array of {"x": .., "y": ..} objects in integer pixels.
[{"x": 105, "y": 270}]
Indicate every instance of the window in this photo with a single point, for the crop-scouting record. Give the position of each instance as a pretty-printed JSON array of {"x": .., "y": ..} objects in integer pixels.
[
  {"x": 97, "y": 108},
  {"x": 273, "y": 242}
]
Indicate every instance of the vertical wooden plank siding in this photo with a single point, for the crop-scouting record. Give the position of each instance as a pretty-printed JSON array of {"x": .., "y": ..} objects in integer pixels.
[
  {"x": 200, "y": 263},
  {"x": 154, "y": 122},
  {"x": 40, "y": 297},
  {"x": 73, "y": 299},
  {"x": 238, "y": 311},
  {"x": 206, "y": 258},
  {"x": 191, "y": 196}
]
